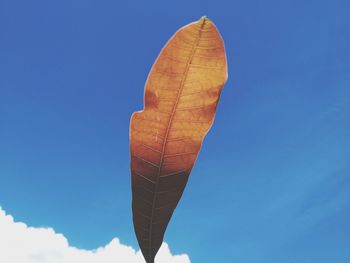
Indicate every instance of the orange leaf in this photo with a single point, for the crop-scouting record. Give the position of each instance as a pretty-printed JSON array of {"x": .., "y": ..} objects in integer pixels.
[{"x": 181, "y": 95}]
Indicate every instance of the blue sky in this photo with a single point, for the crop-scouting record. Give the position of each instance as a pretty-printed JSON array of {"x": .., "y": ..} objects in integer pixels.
[{"x": 271, "y": 183}]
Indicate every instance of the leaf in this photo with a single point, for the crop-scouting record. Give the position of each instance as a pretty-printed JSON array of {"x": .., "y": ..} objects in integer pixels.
[{"x": 181, "y": 95}]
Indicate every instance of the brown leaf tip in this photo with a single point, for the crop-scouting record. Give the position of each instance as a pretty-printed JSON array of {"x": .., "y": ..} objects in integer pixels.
[
  {"x": 204, "y": 18},
  {"x": 203, "y": 21}
]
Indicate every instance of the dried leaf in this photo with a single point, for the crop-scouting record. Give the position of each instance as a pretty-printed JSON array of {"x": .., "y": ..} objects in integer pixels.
[{"x": 181, "y": 95}]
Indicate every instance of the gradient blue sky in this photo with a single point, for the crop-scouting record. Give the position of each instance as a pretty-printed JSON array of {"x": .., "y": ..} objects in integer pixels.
[{"x": 271, "y": 183}]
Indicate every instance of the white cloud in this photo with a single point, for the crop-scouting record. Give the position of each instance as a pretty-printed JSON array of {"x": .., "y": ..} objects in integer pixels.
[{"x": 22, "y": 244}]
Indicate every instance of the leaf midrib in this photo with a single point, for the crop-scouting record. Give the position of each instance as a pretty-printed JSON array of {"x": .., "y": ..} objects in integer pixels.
[{"x": 150, "y": 252}]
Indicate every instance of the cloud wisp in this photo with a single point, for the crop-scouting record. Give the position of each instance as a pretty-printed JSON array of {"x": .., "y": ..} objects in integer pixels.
[{"x": 20, "y": 243}]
